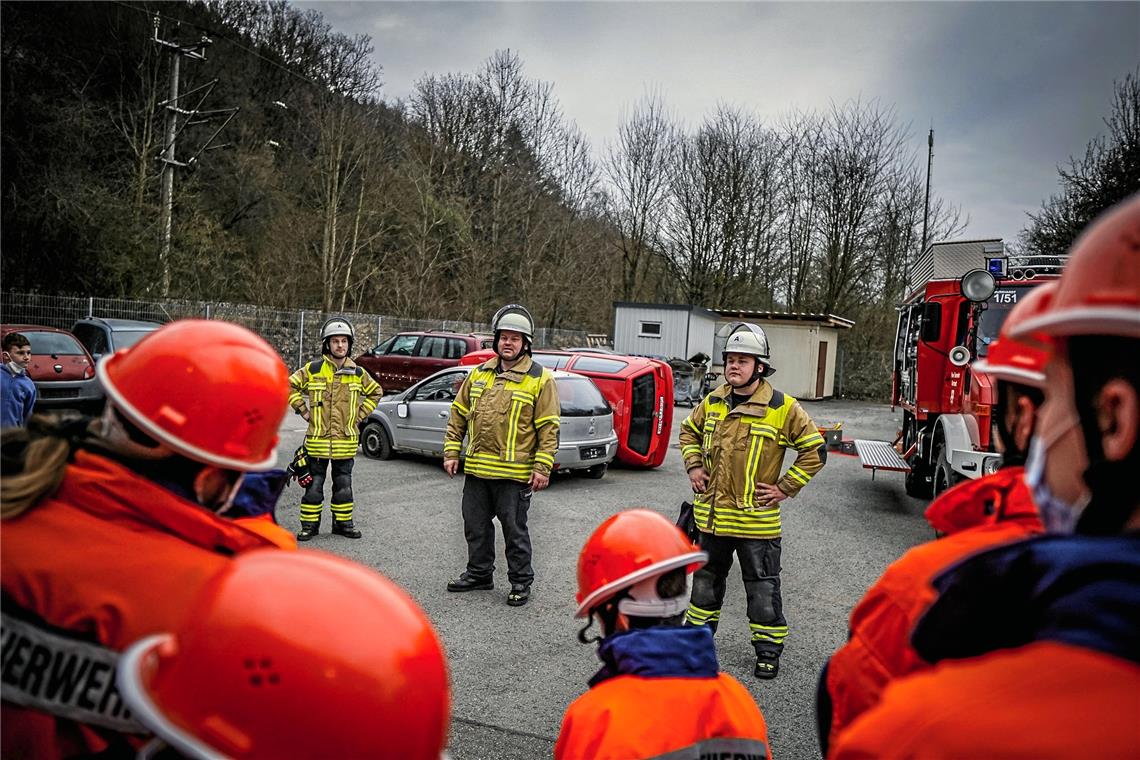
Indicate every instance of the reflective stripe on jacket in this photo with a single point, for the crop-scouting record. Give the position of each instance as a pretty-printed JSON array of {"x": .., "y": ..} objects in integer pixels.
[
  {"x": 337, "y": 400},
  {"x": 510, "y": 419},
  {"x": 743, "y": 447},
  {"x": 975, "y": 515},
  {"x": 109, "y": 558}
]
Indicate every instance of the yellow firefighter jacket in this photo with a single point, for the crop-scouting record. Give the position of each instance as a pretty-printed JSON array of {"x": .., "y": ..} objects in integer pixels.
[
  {"x": 510, "y": 418},
  {"x": 745, "y": 446},
  {"x": 337, "y": 401}
]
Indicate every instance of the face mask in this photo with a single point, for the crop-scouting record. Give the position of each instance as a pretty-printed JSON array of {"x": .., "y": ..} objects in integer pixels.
[{"x": 1058, "y": 515}]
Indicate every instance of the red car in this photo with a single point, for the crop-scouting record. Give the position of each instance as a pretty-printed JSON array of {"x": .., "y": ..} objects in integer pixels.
[
  {"x": 639, "y": 390},
  {"x": 408, "y": 357},
  {"x": 61, "y": 368}
]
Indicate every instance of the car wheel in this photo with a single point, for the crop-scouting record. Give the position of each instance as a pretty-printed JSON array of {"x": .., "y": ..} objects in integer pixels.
[
  {"x": 374, "y": 441},
  {"x": 598, "y": 471}
]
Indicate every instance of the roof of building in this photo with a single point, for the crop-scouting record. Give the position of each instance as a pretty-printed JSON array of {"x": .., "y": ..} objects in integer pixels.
[
  {"x": 669, "y": 306},
  {"x": 830, "y": 320}
]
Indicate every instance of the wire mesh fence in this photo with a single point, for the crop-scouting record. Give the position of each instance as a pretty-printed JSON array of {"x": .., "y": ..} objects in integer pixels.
[{"x": 295, "y": 333}]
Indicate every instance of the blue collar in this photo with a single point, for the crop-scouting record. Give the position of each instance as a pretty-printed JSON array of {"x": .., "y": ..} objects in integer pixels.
[
  {"x": 658, "y": 652},
  {"x": 1078, "y": 590}
]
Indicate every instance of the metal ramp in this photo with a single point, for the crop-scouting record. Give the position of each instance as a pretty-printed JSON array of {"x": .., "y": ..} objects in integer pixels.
[{"x": 879, "y": 455}]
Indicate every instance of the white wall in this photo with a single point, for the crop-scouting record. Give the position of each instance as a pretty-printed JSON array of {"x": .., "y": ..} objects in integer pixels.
[
  {"x": 794, "y": 349},
  {"x": 702, "y": 330},
  {"x": 674, "y": 331}
]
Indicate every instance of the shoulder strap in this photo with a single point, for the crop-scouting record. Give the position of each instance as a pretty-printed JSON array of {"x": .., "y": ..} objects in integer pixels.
[
  {"x": 535, "y": 369},
  {"x": 359, "y": 371},
  {"x": 315, "y": 365},
  {"x": 777, "y": 399}
]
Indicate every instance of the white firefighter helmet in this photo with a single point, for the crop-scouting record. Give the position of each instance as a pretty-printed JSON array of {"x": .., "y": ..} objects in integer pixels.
[
  {"x": 513, "y": 317},
  {"x": 337, "y": 326},
  {"x": 747, "y": 338}
]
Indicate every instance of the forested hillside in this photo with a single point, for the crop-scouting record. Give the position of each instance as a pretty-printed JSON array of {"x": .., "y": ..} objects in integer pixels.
[{"x": 323, "y": 193}]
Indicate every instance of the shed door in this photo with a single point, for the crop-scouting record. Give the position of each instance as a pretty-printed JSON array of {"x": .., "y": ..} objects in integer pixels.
[{"x": 821, "y": 369}]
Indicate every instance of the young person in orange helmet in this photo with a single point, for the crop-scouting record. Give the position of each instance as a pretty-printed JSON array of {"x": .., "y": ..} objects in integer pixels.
[
  {"x": 660, "y": 691},
  {"x": 972, "y": 516},
  {"x": 287, "y": 655},
  {"x": 111, "y": 526},
  {"x": 1037, "y": 643}
]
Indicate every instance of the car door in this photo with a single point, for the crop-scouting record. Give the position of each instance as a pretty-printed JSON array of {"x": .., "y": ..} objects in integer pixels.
[
  {"x": 428, "y": 409},
  {"x": 392, "y": 365},
  {"x": 431, "y": 356}
]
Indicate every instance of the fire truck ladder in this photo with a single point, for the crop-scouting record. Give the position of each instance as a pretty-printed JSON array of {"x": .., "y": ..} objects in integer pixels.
[{"x": 879, "y": 455}]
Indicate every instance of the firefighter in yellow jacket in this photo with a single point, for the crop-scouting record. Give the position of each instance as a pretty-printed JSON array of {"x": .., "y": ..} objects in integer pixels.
[
  {"x": 333, "y": 394},
  {"x": 508, "y": 409},
  {"x": 733, "y": 445}
]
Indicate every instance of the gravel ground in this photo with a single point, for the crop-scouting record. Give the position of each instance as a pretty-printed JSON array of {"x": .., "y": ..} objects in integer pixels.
[{"x": 514, "y": 670}]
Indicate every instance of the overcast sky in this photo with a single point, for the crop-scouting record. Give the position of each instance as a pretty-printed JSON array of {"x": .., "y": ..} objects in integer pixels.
[{"x": 1011, "y": 89}]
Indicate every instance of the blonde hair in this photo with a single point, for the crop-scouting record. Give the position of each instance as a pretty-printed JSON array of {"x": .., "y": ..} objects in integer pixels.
[{"x": 35, "y": 459}]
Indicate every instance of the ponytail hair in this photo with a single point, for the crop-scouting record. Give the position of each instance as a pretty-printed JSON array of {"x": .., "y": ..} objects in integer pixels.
[{"x": 33, "y": 459}]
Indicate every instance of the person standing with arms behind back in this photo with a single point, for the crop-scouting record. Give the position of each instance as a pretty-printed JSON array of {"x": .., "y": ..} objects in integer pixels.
[
  {"x": 333, "y": 395},
  {"x": 733, "y": 445},
  {"x": 509, "y": 411},
  {"x": 17, "y": 391}
]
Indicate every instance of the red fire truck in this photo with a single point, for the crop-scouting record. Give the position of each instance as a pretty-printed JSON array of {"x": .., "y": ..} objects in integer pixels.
[{"x": 958, "y": 296}]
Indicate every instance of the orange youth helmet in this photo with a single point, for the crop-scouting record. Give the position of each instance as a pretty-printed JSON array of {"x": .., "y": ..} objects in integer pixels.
[
  {"x": 1099, "y": 291},
  {"x": 1021, "y": 361},
  {"x": 281, "y": 642},
  {"x": 211, "y": 391},
  {"x": 629, "y": 549}
]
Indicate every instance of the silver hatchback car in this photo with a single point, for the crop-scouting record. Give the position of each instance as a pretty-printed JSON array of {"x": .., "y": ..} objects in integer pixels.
[{"x": 415, "y": 421}]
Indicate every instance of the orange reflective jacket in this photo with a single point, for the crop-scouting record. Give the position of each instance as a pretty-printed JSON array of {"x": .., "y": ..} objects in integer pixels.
[
  {"x": 109, "y": 558},
  {"x": 1043, "y": 700},
  {"x": 634, "y": 717},
  {"x": 975, "y": 515}
]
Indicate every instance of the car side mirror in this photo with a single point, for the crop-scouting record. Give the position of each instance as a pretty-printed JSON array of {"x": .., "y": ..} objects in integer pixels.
[
  {"x": 402, "y": 410},
  {"x": 97, "y": 356}
]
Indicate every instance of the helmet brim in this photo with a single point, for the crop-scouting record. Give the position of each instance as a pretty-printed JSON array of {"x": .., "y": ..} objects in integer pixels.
[{"x": 597, "y": 596}]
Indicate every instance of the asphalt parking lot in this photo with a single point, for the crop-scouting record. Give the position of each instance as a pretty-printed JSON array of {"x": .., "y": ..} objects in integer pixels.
[{"x": 514, "y": 670}]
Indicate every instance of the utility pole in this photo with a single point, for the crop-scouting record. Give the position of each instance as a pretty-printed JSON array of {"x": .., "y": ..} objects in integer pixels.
[
  {"x": 926, "y": 204},
  {"x": 177, "y": 52}
]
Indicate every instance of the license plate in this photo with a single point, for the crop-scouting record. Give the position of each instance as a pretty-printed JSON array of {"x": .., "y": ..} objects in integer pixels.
[
  {"x": 592, "y": 452},
  {"x": 59, "y": 393}
]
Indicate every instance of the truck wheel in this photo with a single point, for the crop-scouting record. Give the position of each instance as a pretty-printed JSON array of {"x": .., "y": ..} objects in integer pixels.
[
  {"x": 598, "y": 471},
  {"x": 919, "y": 482},
  {"x": 374, "y": 441},
  {"x": 944, "y": 477}
]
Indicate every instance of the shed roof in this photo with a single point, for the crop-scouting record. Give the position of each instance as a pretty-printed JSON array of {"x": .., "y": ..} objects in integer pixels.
[{"x": 828, "y": 320}]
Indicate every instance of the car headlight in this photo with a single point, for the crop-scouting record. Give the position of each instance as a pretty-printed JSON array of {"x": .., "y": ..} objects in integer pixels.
[{"x": 991, "y": 465}]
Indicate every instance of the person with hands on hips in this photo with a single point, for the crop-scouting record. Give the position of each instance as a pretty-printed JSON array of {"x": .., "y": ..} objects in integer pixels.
[{"x": 733, "y": 445}]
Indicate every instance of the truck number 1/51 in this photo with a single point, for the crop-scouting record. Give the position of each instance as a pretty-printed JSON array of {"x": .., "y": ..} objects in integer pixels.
[{"x": 1005, "y": 296}]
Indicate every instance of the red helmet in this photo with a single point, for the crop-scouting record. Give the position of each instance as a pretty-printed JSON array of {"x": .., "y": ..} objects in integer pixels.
[
  {"x": 1022, "y": 361},
  {"x": 289, "y": 654},
  {"x": 212, "y": 391},
  {"x": 1099, "y": 292},
  {"x": 631, "y": 547}
]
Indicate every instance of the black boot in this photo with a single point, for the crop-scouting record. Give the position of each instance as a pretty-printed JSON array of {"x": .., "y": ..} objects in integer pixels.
[
  {"x": 308, "y": 530},
  {"x": 520, "y": 595},
  {"x": 467, "y": 583},
  {"x": 345, "y": 528},
  {"x": 767, "y": 665}
]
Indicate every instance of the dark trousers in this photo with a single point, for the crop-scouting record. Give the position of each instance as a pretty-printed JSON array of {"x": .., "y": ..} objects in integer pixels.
[
  {"x": 760, "y": 568},
  {"x": 509, "y": 501},
  {"x": 341, "y": 502}
]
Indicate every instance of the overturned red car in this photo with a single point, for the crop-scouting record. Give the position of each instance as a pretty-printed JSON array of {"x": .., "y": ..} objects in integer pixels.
[{"x": 639, "y": 390}]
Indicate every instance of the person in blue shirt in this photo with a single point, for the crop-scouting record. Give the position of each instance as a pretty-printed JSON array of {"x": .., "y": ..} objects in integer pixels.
[{"x": 17, "y": 391}]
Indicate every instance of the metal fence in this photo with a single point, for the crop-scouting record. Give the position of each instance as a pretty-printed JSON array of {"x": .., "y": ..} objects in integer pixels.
[{"x": 295, "y": 333}]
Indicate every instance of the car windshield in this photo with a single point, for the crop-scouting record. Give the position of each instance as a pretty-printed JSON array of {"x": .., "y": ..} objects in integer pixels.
[
  {"x": 58, "y": 344},
  {"x": 598, "y": 364},
  {"x": 999, "y": 306},
  {"x": 125, "y": 338},
  {"x": 580, "y": 398}
]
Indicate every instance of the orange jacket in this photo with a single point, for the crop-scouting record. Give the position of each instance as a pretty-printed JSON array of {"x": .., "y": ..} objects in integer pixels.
[
  {"x": 109, "y": 558},
  {"x": 633, "y": 717},
  {"x": 659, "y": 692},
  {"x": 1044, "y": 700},
  {"x": 975, "y": 515}
]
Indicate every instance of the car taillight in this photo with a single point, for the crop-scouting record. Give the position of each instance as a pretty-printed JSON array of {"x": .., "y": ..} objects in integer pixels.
[{"x": 88, "y": 372}]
